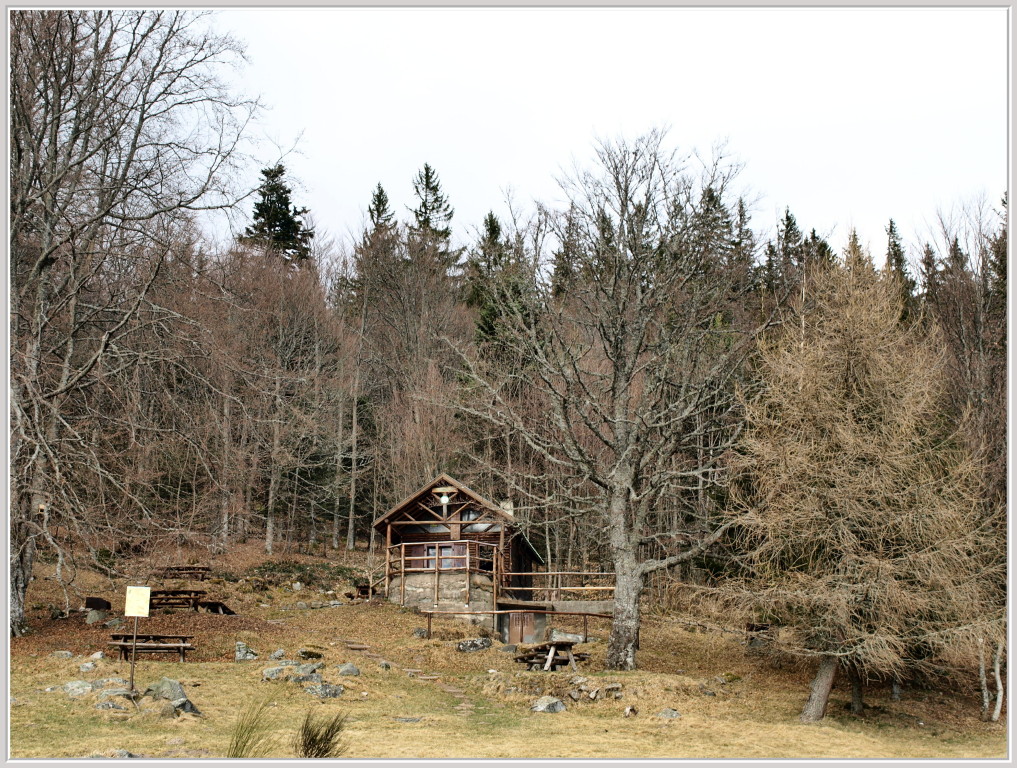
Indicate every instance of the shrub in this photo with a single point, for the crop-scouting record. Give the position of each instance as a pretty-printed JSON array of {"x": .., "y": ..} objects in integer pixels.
[
  {"x": 250, "y": 734},
  {"x": 320, "y": 738}
]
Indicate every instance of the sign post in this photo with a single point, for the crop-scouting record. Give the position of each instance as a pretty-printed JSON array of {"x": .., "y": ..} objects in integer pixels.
[{"x": 136, "y": 604}]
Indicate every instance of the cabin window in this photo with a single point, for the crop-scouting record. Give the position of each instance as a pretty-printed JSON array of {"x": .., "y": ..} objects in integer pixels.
[{"x": 472, "y": 514}]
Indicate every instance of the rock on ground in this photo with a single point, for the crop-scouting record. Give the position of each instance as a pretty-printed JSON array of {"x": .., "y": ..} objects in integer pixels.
[
  {"x": 477, "y": 644},
  {"x": 348, "y": 669},
  {"x": 325, "y": 690},
  {"x": 548, "y": 704},
  {"x": 166, "y": 688},
  {"x": 244, "y": 652}
]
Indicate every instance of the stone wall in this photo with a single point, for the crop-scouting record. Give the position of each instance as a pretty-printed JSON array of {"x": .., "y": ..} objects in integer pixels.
[{"x": 419, "y": 594}]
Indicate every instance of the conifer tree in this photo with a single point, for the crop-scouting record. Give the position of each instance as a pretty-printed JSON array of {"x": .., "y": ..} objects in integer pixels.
[
  {"x": 379, "y": 211},
  {"x": 277, "y": 225},
  {"x": 863, "y": 533},
  {"x": 896, "y": 266},
  {"x": 433, "y": 213}
]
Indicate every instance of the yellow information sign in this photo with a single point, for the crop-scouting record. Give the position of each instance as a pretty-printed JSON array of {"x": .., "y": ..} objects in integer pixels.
[{"x": 137, "y": 601}]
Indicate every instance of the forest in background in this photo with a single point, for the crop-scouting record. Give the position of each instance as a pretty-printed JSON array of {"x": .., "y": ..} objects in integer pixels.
[{"x": 655, "y": 387}]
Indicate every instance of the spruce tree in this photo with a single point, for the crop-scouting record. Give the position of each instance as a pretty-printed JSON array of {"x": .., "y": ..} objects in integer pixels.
[
  {"x": 277, "y": 224},
  {"x": 433, "y": 213},
  {"x": 381, "y": 215},
  {"x": 897, "y": 268}
]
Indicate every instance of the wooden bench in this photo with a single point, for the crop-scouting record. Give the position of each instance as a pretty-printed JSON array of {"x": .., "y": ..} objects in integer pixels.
[
  {"x": 198, "y": 572},
  {"x": 149, "y": 643},
  {"x": 176, "y": 598},
  {"x": 551, "y": 656}
]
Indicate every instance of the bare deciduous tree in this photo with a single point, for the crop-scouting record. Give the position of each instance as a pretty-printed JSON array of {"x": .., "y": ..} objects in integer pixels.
[
  {"x": 630, "y": 359},
  {"x": 120, "y": 128}
]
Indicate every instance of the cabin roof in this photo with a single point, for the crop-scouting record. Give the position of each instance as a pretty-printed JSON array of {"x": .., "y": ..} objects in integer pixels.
[{"x": 443, "y": 480}]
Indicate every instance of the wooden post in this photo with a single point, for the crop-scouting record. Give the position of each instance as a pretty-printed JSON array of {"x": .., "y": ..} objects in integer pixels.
[
  {"x": 402, "y": 573},
  {"x": 134, "y": 652},
  {"x": 467, "y": 574},
  {"x": 437, "y": 562},
  {"x": 550, "y": 657},
  {"x": 388, "y": 559},
  {"x": 586, "y": 634},
  {"x": 429, "y": 625},
  {"x": 494, "y": 579}
]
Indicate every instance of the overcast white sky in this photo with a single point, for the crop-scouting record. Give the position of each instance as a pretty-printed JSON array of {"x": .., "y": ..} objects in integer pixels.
[{"x": 849, "y": 116}]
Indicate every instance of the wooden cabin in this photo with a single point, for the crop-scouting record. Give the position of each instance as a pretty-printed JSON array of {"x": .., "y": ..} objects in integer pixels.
[{"x": 448, "y": 548}]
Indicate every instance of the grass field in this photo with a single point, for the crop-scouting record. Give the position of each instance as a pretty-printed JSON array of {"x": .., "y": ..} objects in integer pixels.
[{"x": 479, "y": 705}]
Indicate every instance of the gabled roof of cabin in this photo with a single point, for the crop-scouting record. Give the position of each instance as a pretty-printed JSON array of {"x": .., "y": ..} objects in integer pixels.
[
  {"x": 443, "y": 480},
  {"x": 446, "y": 480}
]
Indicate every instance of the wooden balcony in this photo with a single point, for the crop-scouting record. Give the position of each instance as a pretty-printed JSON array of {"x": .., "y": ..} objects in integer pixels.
[{"x": 469, "y": 557}]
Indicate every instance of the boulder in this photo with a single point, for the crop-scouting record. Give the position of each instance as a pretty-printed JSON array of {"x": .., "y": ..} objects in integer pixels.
[
  {"x": 297, "y": 586},
  {"x": 166, "y": 688},
  {"x": 94, "y": 617},
  {"x": 669, "y": 714},
  {"x": 304, "y": 653},
  {"x": 548, "y": 704},
  {"x": 77, "y": 688},
  {"x": 185, "y": 705},
  {"x": 314, "y": 677},
  {"x": 276, "y": 655},
  {"x": 477, "y": 644},
  {"x": 62, "y": 655},
  {"x": 348, "y": 669},
  {"x": 244, "y": 652},
  {"x": 274, "y": 673},
  {"x": 97, "y": 655},
  {"x": 116, "y": 621},
  {"x": 88, "y": 666},
  {"x": 325, "y": 690},
  {"x": 309, "y": 669},
  {"x": 566, "y": 637},
  {"x": 300, "y": 606},
  {"x": 508, "y": 648},
  {"x": 420, "y": 632}
]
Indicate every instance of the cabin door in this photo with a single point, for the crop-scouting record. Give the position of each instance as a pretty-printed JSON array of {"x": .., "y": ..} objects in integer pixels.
[{"x": 521, "y": 627}]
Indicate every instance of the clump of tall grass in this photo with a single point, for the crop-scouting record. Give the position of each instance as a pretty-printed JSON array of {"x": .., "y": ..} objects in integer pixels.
[
  {"x": 250, "y": 734},
  {"x": 320, "y": 738}
]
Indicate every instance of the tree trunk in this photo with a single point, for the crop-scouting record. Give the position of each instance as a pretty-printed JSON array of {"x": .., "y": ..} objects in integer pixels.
[
  {"x": 22, "y": 560},
  {"x": 982, "y": 679},
  {"x": 351, "y": 521},
  {"x": 621, "y": 649},
  {"x": 819, "y": 693},
  {"x": 997, "y": 657}
]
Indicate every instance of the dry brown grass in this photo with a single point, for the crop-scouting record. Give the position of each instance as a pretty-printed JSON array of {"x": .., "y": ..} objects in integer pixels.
[{"x": 754, "y": 716}]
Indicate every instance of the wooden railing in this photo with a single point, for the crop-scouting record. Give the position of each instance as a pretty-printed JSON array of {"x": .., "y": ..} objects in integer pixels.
[
  {"x": 479, "y": 557},
  {"x": 561, "y": 585},
  {"x": 482, "y": 557}
]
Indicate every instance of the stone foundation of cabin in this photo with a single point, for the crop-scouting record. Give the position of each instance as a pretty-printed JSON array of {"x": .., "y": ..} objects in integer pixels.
[{"x": 452, "y": 595}]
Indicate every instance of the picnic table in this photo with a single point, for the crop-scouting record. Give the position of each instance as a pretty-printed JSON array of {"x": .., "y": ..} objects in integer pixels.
[
  {"x": 552, "y": 655},
  {"x": 176, "y": 598},
  {"x": 151, "y": 643},
  {"x": 198, "y": 572}
]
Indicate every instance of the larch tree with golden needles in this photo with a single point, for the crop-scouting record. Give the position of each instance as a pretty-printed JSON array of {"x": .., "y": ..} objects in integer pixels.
[{"x": 863, "y": 539}]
